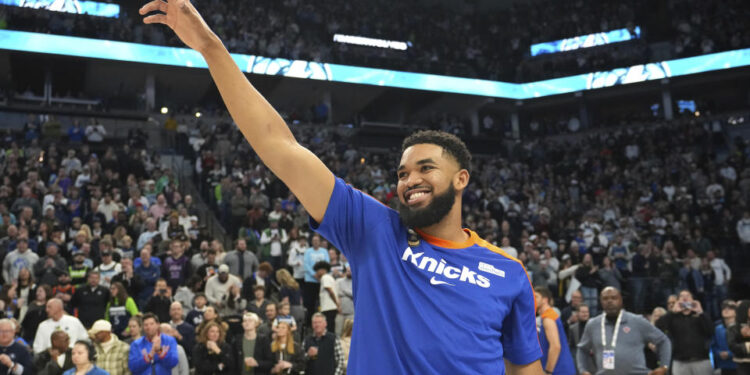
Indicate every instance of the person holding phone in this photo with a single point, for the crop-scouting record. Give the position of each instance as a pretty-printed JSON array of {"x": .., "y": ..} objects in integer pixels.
[
  {"x": 160, "y": 301},
  {"x": 688, "y": 325}
]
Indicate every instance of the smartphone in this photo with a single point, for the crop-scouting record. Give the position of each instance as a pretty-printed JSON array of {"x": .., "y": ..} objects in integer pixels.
[{"x": 686, "y": 305}]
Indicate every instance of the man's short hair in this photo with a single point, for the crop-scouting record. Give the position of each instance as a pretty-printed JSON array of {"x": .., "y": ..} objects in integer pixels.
[
  {"x": 259, "y": 287},
  {"x": 319, "y": 315},
  {"x": 544, "y": 292},
  {"x": 451, "y": 144},
  {"x": 150, "y": 316},
  {"x": 9, "y": 321},
  {"x": 578, "y": 309},
  {"x": 322, "y": 265}
]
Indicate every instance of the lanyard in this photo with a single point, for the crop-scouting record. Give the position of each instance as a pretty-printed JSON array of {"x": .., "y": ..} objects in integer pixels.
[{"x": 616, "y": 331}]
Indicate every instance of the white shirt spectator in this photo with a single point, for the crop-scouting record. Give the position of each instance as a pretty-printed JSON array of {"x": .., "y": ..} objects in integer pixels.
[
  {"x": 83, "y": 178},
  {"x": 108, "y": 271},
  {"x": 70, "y": 324},
  {"x": 326, "y": 302},
  {"x": 297, "y": 260},
  {"x": 95, "y": 133},
  {"x": 632, "y": 151},
  {"x": 729, "y": 173},
  {"x": 743, "y": 230},
  {"x": 714, "y": 190},
  {"x": 721, "y": 271},
  {"x": 669, "y": 190},
  {"x": 216, "y": 290},
  {"x": 108, "y": 209}
]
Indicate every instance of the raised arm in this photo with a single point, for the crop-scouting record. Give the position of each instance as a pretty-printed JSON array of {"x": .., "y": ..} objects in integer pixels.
[{"x": 305, "y": 175}]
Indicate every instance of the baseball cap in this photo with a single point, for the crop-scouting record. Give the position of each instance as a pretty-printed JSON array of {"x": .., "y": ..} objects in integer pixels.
[
  {"x": 223, "y": 268},
  {"x": 100, "y": 326}
]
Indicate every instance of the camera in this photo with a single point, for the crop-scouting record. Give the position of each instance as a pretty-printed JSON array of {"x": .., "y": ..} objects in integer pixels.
[
  {"x": 162, "y": 291},
  {"x": 686, "y": 305}
]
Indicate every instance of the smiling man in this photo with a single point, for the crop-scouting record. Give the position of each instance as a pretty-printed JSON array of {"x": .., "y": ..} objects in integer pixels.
[{"x": 431, "y": 297}]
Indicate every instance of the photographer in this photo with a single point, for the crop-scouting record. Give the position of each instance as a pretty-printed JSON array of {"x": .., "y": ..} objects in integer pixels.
[
  {"x": 687, "y": 325},
  {"x": 160, "y": 301}
]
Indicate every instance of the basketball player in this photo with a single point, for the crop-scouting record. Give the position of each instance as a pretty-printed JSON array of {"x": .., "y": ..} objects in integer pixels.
[{"x": 430, "y": 297}]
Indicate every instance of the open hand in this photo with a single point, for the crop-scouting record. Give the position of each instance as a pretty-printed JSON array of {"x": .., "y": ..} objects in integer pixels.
[{"x": 182, "y": 17}]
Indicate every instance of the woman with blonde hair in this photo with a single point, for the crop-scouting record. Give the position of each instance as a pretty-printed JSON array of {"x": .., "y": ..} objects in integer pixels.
[
  {"x": 288, "y": 354},
  {"x": 212, "y": 355},
  {"x": 118, "y": 235},
  {"x": 86, "y": 229},
  {"x": 346, "y": 339},
  {"x": 290, "y": 292}
]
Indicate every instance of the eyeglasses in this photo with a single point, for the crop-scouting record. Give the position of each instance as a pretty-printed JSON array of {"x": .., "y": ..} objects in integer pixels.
[{"x": 7, "y": 331}]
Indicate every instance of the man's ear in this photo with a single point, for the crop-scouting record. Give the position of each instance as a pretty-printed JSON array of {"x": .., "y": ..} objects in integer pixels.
[{"x": 461, "y": 180}]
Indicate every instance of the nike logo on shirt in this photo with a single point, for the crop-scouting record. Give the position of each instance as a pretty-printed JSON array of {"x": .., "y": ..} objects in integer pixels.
[{"x": 433, "y": 281}]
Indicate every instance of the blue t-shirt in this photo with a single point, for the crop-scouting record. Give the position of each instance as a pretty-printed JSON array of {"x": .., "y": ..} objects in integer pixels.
[
  {"x": 436, "y": 308},
  {"x": 565, "y": 364}
]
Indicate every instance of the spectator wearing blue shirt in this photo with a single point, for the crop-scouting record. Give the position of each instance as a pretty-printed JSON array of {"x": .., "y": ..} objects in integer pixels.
[
  {"x": 83, "y": 357},
  {"x": 154, "y": 353},
  {"x": 311, "y": 288},
  {"x": 149, "y": 272},
  {"x": 76, "y": 132},
  {"x": 719, "y": 345}
]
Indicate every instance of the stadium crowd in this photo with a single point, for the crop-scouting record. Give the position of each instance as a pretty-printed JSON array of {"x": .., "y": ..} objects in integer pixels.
[
  {"x": 472, "y": 43},
  {"x": 97, "y": 242}
]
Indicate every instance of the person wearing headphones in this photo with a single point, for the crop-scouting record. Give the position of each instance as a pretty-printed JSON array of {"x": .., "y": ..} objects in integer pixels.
[{"x": 84, "y": 356}]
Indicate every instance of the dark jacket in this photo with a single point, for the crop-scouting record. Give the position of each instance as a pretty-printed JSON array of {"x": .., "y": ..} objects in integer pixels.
[
  {"x": 159, "y": 305},
  {"x": 91, "y": 303},
  {"x": 262, "y": 354},
  {"x": 44, "y": 365},
  {"x": 20, "y": 354},
  {"x": 329, "y": 357},
  {"x": 208, "y": 363},
  {"x": 738, "y": 344},
  {"x": 693, "y": 332},
  {"x": 297, "y": 360}
]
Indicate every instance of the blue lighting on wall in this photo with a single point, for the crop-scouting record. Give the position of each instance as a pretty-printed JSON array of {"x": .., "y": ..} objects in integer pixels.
[
  {"x": 183, "y": 57},
  {"x": 585, "y": 41}
]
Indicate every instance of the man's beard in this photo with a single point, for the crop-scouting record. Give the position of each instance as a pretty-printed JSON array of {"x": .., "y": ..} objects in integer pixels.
[{"x": 423, "y": 217}]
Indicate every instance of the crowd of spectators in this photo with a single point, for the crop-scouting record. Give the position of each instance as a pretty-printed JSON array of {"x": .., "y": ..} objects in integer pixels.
[
  {"x": 96, "y": 238},
  {"x": 472, "y": 42}
]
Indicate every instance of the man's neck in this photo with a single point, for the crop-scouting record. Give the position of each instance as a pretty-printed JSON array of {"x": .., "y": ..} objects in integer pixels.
[
  {"x": 449, "y": 228},
  {"x": 251, "y": 335},
  {"x": 614, "y": 315},
  {"x": 176, "y": 322},
  {"x": 58, "y": 318}
]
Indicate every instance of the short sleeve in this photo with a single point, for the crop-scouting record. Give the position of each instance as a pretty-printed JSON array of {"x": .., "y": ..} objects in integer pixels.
[
  {"x": 348, "y": 217},
  {"x": 519, "y": 336}
]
